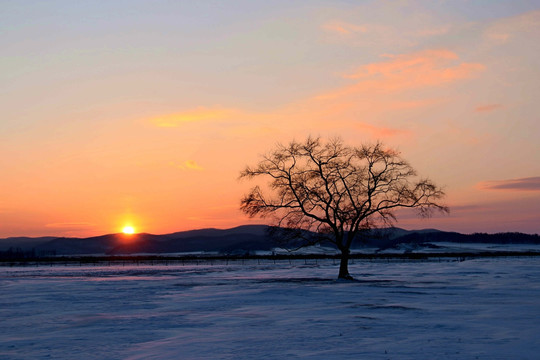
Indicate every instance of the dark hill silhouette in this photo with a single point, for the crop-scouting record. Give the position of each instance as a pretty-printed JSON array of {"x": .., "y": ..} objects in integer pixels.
[
  {"x": 241, "y": 239},
  {"x": 238, "y": 240},
  {"x": 24, "y": 242},
  {"x": 209, "y": 232}
]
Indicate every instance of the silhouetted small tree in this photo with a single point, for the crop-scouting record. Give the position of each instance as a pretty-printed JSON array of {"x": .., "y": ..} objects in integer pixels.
[{"x": 336, "y": 191}]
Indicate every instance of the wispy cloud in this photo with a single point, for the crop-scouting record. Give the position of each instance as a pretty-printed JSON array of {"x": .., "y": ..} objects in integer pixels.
[
  {"x": 196, "y": 115},
  {"x": 70, "y": 225},
  {"x": 522, "y": 184},
  {"x": 190, "y": 165},
  {"x": 487, "y": 107},
  {"x": 344, "y": 28},
  {"x": 409, "y": 71},
  {"x": 379, "y": 88},
  {"x": 385, "y": 34},
  {"x": 507, "y": 29},
  {"x": 403, "y": 63}
]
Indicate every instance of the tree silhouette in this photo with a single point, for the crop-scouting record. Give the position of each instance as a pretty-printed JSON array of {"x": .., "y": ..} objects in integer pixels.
[{"x": 336, "y": 191}]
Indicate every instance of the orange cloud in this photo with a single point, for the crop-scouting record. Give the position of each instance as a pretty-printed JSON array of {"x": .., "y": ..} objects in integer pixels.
[
  {"x": 197, "y": 115},
  {"x": 426, "y": 68},
  {"x": 403, "y": 63},
  {"x": 190, "y": 165},
  {"x": 344, "y": 28},
  {"x": 352, "y": 107},
  {"x": 409, "y": 71},
  {"x": 488, "y": 107}
]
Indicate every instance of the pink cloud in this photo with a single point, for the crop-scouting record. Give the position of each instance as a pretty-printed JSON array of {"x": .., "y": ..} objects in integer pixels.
[
  {"x": 488, "y": 107},
  {"x": 522, "y": 184},
  {"x": 344, "y": 28},
  {"x": 404, "y": 63},
  {"x": 507, "y": 29},
  {"x": 409, "y": 71}
]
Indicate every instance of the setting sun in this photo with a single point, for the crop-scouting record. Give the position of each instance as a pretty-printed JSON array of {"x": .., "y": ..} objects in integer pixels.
[{"x": 128, "y": 230}]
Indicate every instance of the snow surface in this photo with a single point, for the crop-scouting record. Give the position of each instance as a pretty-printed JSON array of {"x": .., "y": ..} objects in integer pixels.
[
  {"x": 423, "y": 248},
  {"x": 475, "y": 309}
]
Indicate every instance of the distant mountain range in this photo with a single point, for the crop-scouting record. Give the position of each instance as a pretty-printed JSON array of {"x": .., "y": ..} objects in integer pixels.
[{"x": 235, "y": 241}]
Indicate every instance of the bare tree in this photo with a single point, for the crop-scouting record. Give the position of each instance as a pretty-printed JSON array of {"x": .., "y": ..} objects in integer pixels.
[{"x": 336, "y": 191}]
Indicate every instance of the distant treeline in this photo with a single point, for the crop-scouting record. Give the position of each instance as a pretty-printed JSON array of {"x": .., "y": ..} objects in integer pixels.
[
  {"x": 442, "y": 236},
  {"x": 112, "y": 260},
  {"x": 506, "y": 238},
  {"x": 20, "y": 254}
]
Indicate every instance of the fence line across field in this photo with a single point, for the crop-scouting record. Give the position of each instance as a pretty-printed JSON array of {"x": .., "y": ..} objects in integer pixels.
[{"x": 255, "y": 260}]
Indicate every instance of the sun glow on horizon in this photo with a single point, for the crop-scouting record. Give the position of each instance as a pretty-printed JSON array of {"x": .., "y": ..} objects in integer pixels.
[{"x": 128, "y": 230}]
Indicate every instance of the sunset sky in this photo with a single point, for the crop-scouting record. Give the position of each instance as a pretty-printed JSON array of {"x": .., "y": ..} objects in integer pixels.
[{"x": 143, "y": 113}]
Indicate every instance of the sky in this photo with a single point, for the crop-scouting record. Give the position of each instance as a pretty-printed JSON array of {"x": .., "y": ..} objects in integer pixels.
[{"x": 143, "y": 113}]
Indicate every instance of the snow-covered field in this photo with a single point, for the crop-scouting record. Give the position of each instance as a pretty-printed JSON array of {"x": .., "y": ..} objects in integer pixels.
[{"x": 476, "y": 309}]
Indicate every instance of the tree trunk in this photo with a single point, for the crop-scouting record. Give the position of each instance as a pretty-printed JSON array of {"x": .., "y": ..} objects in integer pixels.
[{"x": 344, "y": 266}]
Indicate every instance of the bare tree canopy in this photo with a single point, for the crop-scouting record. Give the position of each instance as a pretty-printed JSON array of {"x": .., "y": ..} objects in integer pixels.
[{"x": 337, "y": 190}]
